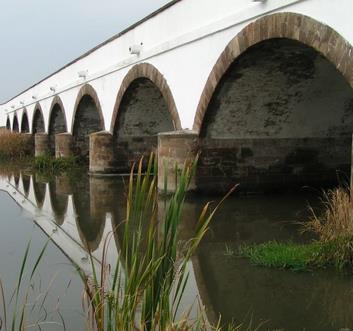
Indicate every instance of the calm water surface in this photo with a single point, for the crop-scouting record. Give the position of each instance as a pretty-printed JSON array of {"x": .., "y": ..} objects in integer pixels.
[{"x": 79, "y": 211}]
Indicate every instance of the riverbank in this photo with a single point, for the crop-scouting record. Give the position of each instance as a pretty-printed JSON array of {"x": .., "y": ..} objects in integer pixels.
[{"x": 333, "y": 247}]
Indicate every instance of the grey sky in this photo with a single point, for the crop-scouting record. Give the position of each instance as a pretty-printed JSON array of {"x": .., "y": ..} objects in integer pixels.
[{"x": 39, "y": 36}]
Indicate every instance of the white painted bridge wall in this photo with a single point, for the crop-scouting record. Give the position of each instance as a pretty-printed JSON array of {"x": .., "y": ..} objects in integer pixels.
[{"x": 183, "y": 42}]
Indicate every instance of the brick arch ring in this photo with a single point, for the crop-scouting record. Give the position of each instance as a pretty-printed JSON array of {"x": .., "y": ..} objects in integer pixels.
[
  {"x": 146, "y": 70},
  {"x": 37, "y": 107},
  {"x": 293, "y": 26},
  {"x": 57, "y": 101},
  {"x": 90, "y": 91}
]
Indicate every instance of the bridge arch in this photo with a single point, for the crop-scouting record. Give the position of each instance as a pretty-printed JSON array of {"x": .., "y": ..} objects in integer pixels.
[
  {"x": 87, "y": 119},
  {"x": 262, "y": 106},
  {"x": 144, "y": 107},
  {"x": 15, "y": 127},
  {"x": 24, "y": 122},
  {"x": 8, "y": 123},
  {"x": 38, "y": 125},
  {"x": 57, "y": 121}
]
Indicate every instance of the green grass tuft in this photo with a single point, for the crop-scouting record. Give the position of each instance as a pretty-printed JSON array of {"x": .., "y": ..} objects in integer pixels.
[
  {"x": 282, "y": 255},
  {"x": 51, "y": 164}
]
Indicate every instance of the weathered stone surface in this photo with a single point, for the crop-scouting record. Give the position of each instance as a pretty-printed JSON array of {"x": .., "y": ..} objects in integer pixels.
[
  {"x": 272, "y": 165},
  {"x": 292, "y": 26},
  {"x": 15, "y": 127},
  {"x": 29, "y": 138},
  {"x": 102, "y": 156},
  {"x": 38, "y": 120},
  {"x": 143, "y": 113},
  {"x": 57, "y": 122},
  {"x": 41, "y": 144},
  {"x": 174, "y": 149},
  {"x": 24, "y": 122},
  {"x": 88, "y": 119},
  {"x": 63, "y": 145}
]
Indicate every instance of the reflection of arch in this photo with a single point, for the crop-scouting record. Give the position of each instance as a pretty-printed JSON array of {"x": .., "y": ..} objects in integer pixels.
[
  {"x": 281, "y": 25},
  {"x": 8, "y": 123},
  {"x": 24, "y": 122},
  {"x": 26, "y": 181},
  {"x": 87, "y": 118},
  {"x": 39, "y": 191},
  {"x": 212, "y": 315},
  {"x": 59, "y": 203},
  {"x": 38, "y": 120},
  {"x": 15, "y": 127},
  {"x": 146, "y": 70},
  {"x": 57, "y": 121},
  {"x": 90, "y": 226},
  {"x": 17, "y": 178}
]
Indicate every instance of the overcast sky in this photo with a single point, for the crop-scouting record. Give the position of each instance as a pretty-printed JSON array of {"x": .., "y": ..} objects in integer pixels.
[{"x": 39, "y": 36}]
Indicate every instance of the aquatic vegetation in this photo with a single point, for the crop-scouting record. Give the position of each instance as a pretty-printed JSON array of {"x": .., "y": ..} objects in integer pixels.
[
  {"x": 336, "y": 220},
  {"x": 334, "y": 246},
  {"x": 282, "y": 255},
  {"x": 48, "y": 163},
  {"x": 14, "y": 145},
  {"x": 144, "y": 289}
]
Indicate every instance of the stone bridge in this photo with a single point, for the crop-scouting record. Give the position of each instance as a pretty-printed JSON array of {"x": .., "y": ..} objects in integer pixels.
[{"x": 263, "y": 89}]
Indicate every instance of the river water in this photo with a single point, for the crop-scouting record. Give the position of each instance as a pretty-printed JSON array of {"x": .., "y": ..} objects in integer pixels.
[{"x": 79, "y": 211}]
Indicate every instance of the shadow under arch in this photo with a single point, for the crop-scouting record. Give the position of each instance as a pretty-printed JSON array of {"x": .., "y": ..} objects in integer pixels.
[
  {"x": 15, "y": 127},
  {"x": 57, "y": 121},
  {"x": 87, "y": 118},
  {"x": 8, "y": 123},
  {"x": 277, "y": 109},
  {"x": 304, "y": 29},
  {"x": 143, "y": 108},
  {"x": 38, "y": 125},
  {"x": 24, "y": 122}
]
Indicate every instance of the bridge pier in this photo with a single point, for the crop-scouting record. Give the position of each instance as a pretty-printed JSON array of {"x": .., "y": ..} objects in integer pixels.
[
  {"x": 63, "y": 145},
  {"x": 351, "y": 182},
  {"x": 102, "y": 158},
  {"x": 29, "y": 141},
  {"x": 174, "y": 149},
  {"x": 41, "y": 144}
]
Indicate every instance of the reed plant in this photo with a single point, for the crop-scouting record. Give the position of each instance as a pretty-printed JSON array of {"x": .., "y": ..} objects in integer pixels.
[
  {"x": 334, "y": 228},
  {"x": 143, "y": 291},
  {"x": 19, "y": 306},
  {"x": 14, "y": 145},
  {"x": 336, "y": 220}
]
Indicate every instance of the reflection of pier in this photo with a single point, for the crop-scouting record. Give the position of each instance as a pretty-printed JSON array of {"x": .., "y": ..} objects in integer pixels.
[{"x": 80, "y": 215}]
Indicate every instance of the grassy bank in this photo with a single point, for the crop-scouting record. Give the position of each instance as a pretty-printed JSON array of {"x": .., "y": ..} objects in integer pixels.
[{"x": 333, "y": 247}]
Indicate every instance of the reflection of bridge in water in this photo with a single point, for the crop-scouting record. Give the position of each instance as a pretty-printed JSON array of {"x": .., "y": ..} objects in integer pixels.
[
  {"x": 78, "y": 215},
  {"x": 80, "y": 212}
]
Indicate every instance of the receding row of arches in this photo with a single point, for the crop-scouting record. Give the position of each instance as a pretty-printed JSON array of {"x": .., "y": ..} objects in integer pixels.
[
  {"x": 277, "y": 108},
  {"x": 144, "y": 107}
]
